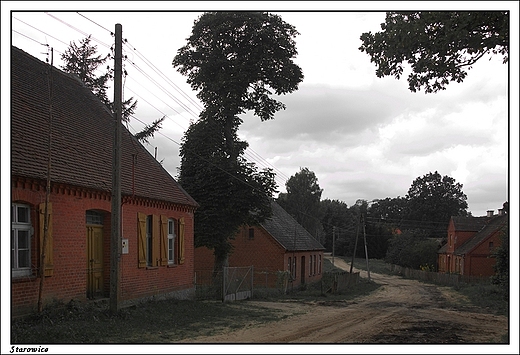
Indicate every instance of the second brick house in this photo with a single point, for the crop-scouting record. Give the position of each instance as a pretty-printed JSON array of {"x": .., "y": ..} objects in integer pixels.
[{"x": 279, "y": 244}]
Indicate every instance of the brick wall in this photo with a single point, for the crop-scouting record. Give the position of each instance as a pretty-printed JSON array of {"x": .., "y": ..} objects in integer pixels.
[
  {"x": 69, "y": 239},
  {"x": 264, "y": 253}
]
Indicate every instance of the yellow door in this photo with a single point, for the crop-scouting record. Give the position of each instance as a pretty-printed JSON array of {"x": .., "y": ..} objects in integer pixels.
[{"x": 94, "y": 261}]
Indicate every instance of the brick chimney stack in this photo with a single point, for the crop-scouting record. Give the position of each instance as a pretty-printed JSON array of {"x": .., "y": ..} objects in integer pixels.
[{"x": 490, "y": 213}]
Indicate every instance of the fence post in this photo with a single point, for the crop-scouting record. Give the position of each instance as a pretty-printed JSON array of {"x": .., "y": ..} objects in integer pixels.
[
  {"x": 224, "y": 272},
  {"x": 252, "y": 279}
]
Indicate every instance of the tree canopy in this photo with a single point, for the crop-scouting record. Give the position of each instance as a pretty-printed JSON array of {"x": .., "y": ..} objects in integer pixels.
[
  {"x": 302, "y": 200},
  {"x": 84, "y": 61},
  {"x": 439, "y": 46},
  {"x": 236, "y": 61},
  {"x": 433, "y": 199}
]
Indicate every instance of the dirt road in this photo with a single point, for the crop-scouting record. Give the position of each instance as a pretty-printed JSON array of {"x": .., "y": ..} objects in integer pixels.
[{"x": 400, "y": 311}]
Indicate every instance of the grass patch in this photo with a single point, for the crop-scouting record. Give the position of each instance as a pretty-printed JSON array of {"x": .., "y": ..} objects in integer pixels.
[{"x": 486, "y": 296}]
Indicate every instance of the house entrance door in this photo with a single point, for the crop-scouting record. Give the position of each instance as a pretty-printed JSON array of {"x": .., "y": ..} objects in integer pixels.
[{"x": 94, "y": 261}]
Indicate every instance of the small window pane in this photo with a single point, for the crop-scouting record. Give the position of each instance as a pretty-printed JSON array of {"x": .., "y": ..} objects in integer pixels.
[
  {"x": 170, "y": 249},
  {"x": 24, "y": 258},
  {"x": 22, "y": 214},
  {"x": 23, "y": 239},
  {"x": 170, "y": 227}
]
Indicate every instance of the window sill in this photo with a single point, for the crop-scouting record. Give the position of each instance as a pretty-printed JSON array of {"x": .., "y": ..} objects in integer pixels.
[
  {"x": 172, "y": 265},
  {"x": 152, "y": 267},
  {"x": 23, "y": 278}
]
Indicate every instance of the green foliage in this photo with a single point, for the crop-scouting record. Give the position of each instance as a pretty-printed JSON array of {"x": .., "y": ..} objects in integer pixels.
[
  {"x": 302, "y": 200},
  {"x": 230, "y": 193},
  {"x": 412, "y": 249},
  {"x": 432, "y": 200},
  {"x": 335, "y": 213},
  {"x": 83, "y": 61},
  {"x": 149, "y": 130},
  {"x": 234, "y": 59},
  {"x": 439, "y": 46}
]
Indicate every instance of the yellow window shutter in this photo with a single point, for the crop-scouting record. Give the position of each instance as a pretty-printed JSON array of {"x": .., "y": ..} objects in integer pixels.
[
  {"x": 49, "y": 257},
  {"x": 164, "y": 240},
  {"x": 141, "y": 239},
  {"x": 156, "y": 226},
  {"x": 181, "y": 240}
]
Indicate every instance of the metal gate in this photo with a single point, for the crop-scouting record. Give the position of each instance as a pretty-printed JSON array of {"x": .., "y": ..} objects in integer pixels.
[{"x": 237, "y": 283}]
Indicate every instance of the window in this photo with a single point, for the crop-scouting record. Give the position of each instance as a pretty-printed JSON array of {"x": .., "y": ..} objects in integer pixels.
[
  {"x": 251, "y": 233},
  {"x": 314, "y": 262},
  {"x": 171, "y": 241},
  {"x": 20, "y": 240},
  {"x": 319, "y": 264},
  {"x": 310, "y": 265},
  {"x": 93, "y": 217},
  {"x": 149, "y": 241}
]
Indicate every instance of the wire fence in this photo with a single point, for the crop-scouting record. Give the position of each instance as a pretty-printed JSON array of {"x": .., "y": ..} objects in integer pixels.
[{"x": 248, "y": 282}]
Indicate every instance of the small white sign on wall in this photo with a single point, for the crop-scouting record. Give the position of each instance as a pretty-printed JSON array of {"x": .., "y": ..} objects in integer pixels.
[{"x": 124, "y": 246}]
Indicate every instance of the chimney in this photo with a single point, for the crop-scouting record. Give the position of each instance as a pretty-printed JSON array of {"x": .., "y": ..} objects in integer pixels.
[
  {"x": 500, "y": 211},
  {"x": 490, "y": 213}
]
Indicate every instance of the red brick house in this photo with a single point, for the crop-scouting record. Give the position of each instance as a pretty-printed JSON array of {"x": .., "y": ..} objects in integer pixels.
[
  {"x": 471, "y": 242},
  {"x": 278, "y": 244},
  {"x": 156, "y": 213}
]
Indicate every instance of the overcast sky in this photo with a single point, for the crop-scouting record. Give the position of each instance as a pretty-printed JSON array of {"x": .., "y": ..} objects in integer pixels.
[{"x": 364, "y": 137}]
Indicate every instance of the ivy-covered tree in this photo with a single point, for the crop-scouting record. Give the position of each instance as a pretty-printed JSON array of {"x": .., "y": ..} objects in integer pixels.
[
  {"x": 236, "y": 61},
  {"x": 229, "y": 194},
  {"x": 439, "y": 46},
  {"x": 84, "y": 61}
]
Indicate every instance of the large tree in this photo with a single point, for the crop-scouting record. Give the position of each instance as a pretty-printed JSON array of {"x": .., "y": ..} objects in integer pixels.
[
  {"x": 236, "y": 61},
  {"x": 439, "y": 46},
  {"x": 84, "y": 61},
  {"x": 302, "y": 200},
  {"x": 432, "y": 200}
]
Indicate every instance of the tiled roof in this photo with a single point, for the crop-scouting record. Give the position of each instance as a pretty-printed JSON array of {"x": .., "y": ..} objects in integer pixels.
[
  {"x": 82, "y": 135},
  {"x": 469, "y": 224},
  {"x": 288, "y": 232},
  {"x": 494, "y": 225}
]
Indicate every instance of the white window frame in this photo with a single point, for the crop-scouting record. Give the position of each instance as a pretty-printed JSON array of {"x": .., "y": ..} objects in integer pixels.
[
  {"x": 171, "y": 241},
  {"x": 16, "y": 227}
]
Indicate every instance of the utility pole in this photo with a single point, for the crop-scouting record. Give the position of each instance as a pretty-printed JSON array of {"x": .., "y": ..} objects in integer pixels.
[
  {"x": 115, "y": 233},
  {"x": 355, "y": 248},
  {"x": 333, "y": 243},
  {"x": 366, "y": 250},
  {"x": 47, "y": 195}
]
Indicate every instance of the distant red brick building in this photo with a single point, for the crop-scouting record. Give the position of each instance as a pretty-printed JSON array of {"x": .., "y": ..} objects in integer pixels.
[
  {"x": 278, "y": 244},
  {"x": 157, "y": 214},
  {"x": 471, "y": 242}
]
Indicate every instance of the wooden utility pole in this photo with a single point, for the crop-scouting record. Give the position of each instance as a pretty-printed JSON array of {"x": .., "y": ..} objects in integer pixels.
[
  {"x": 355, "y": 248},
  {"x": 115, "y": 233},
  {"x": 366, "y": 250},
  {"x": 47, "y": 195},
  {"x": 333, "y": 243}
]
